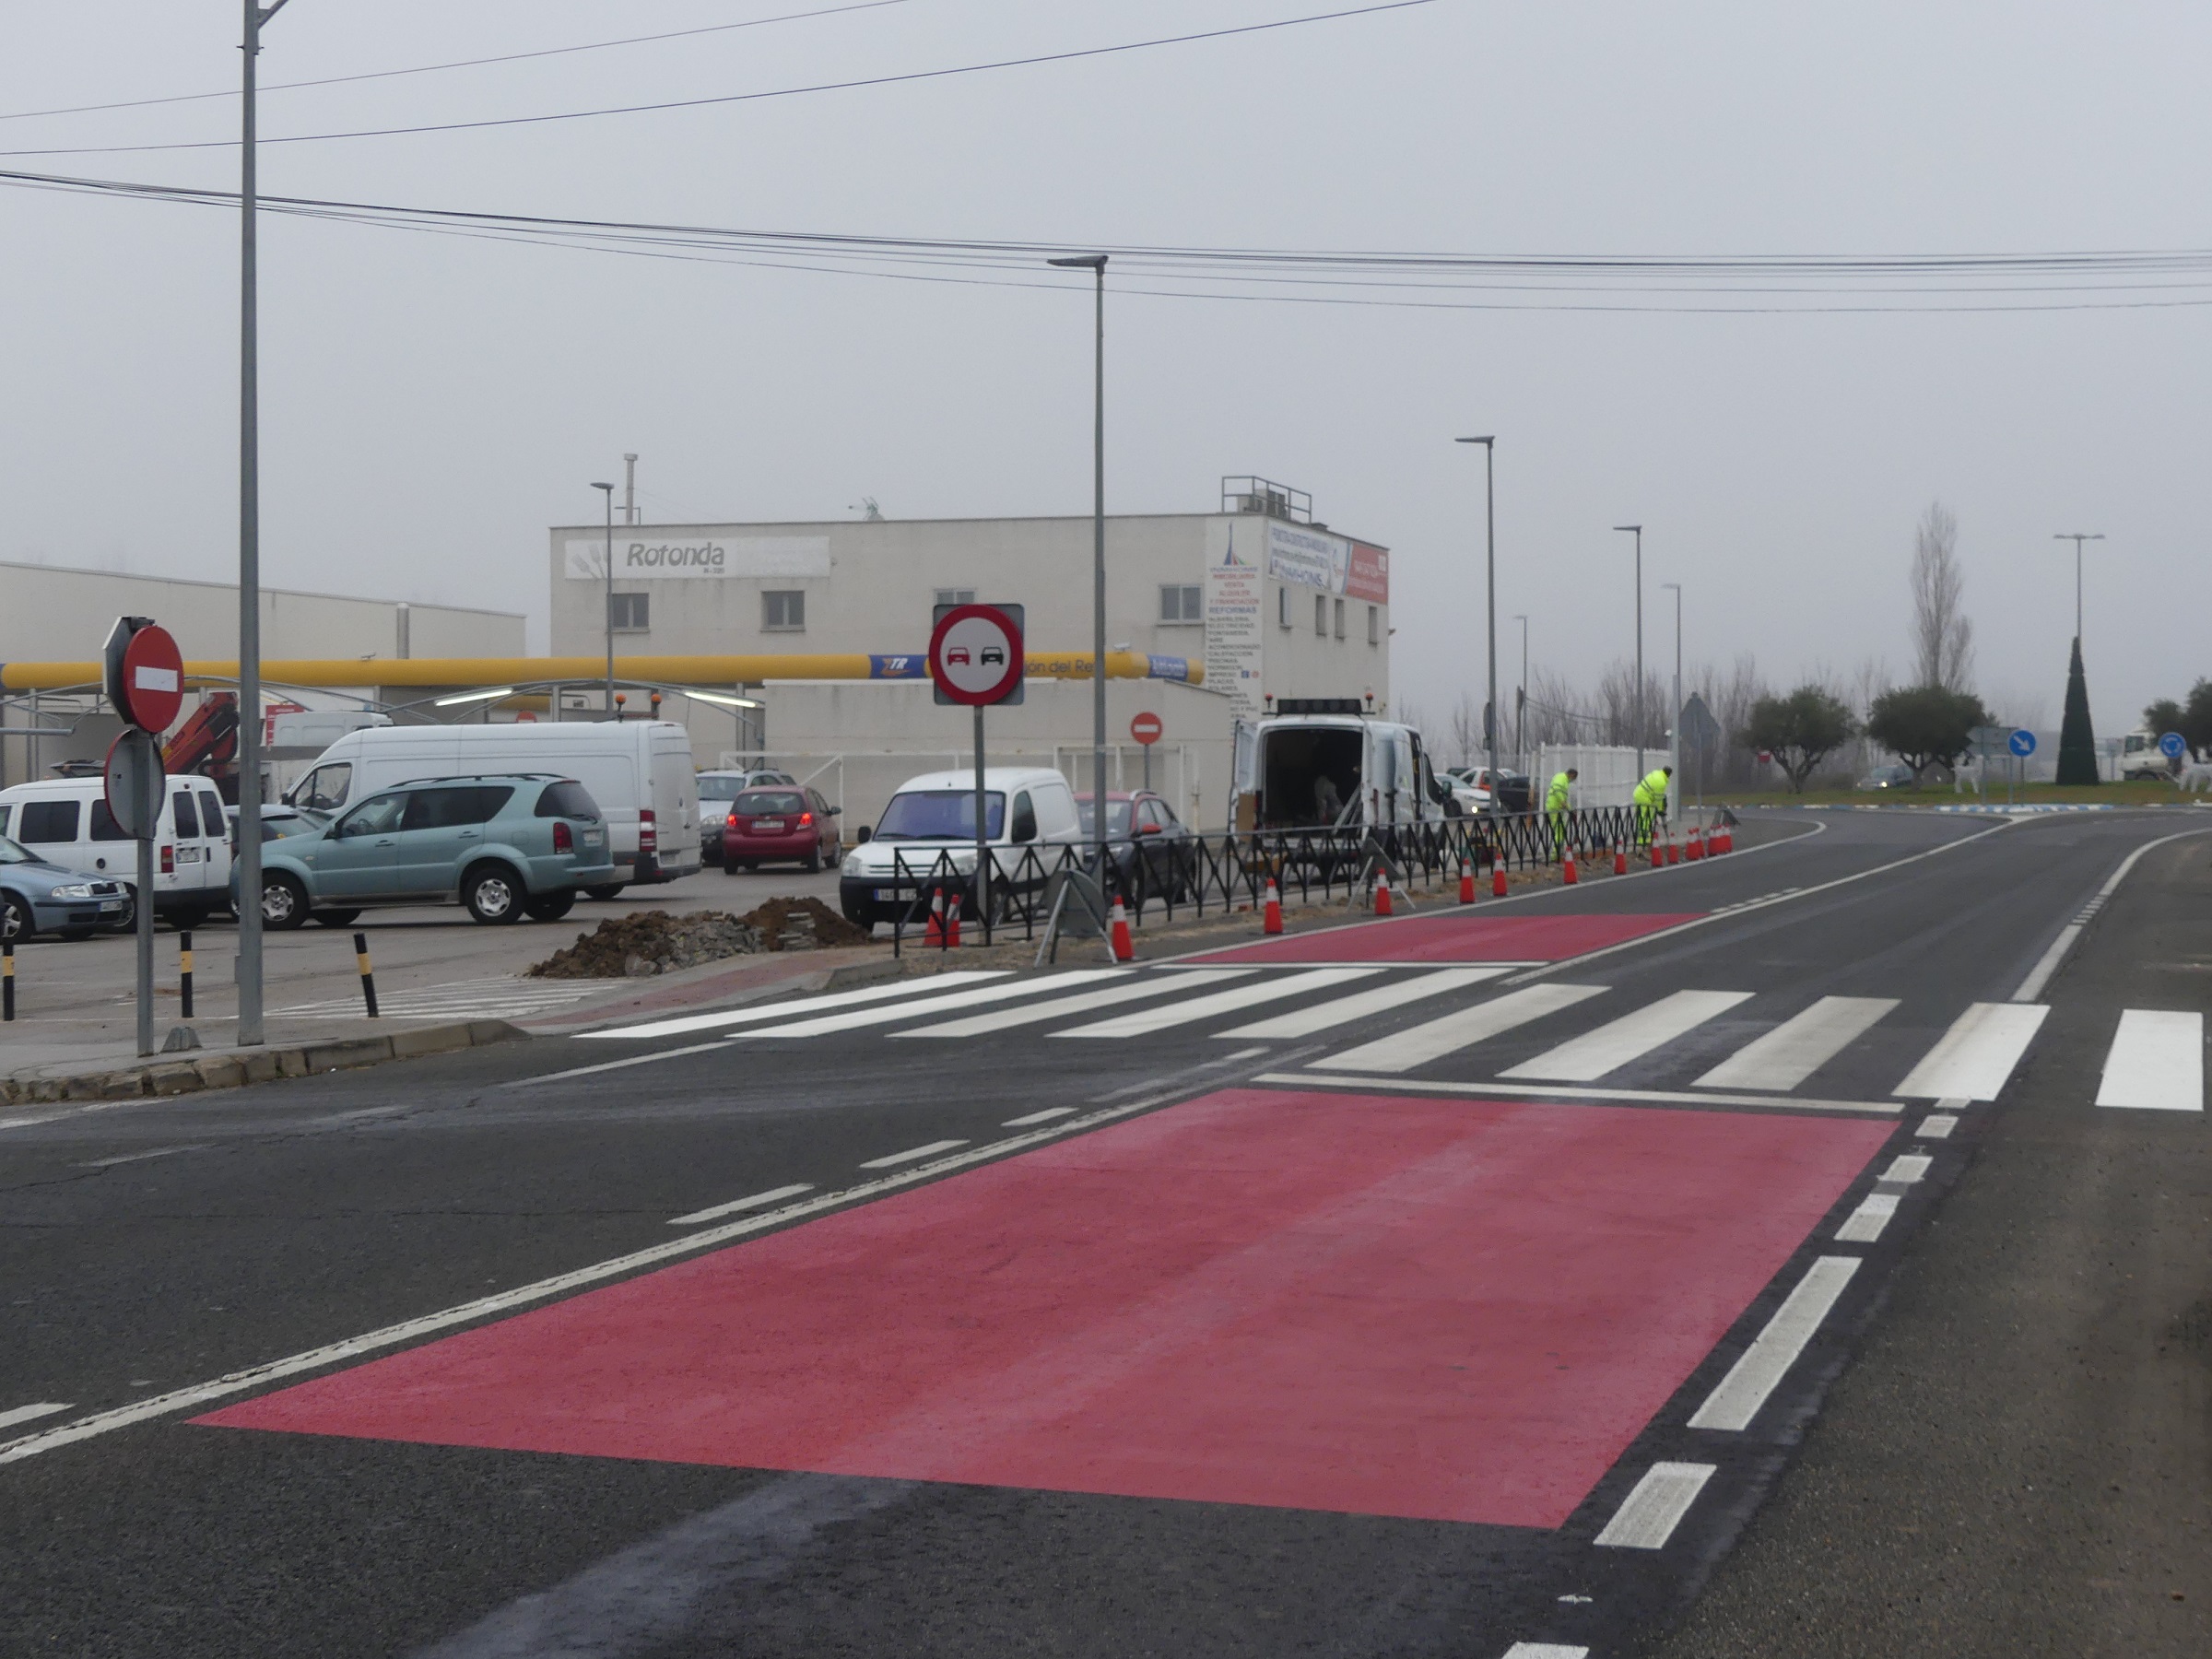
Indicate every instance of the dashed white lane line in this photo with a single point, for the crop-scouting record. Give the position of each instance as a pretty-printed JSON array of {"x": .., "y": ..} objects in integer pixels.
[
  {"x": 1546, "y": 1649},
  {"x": 1937, "y": 1126},
  {"x": 2155, "y": 1063},
  {"x": 1800, "y": 1046},
  {"x": 1648, "y": 1516},
  {"x": 27, "y": 1414},
  {"x": 1752, "y": 1378},
  {"x": 2040, "y": 975},
  {"x": 1618, "y": 1042},
  {"x": 1866, "y": 1223},
  {"x": 804, "y": 1005},
  {"x": 125, "y": 1157},
  {"x": 1906, "y": 1168},
  {"x": 913, "y": 1154},
  {"x": 1046, "y": 1116},
  {"x": 1975, "y": 1057},
  {"x": 1417, "y": 1045},
  {"x": 736, "y": 1205}
]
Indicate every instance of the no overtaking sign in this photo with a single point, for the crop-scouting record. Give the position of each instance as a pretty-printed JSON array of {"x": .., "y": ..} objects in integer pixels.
[{"x": 975, "y": 654}]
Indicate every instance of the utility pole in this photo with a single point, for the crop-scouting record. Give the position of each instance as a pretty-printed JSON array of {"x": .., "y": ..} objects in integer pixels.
[
  {"x": 1096, "y": 262},
  {"x": 1673, "y": 788},
  {"x": 1637, "y": 531},
  {"x": 629, "y": 489},
  {"x": 1521, "y": 704},
  {"x": 2077, "y": 538},
  {"x": 1489, "y": 712},
  {"x": 608, "y": 491}
]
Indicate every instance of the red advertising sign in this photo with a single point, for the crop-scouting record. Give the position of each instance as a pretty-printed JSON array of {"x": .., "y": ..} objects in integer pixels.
[
  {"x": 1368, "y": 574},
  {"x": 1146, "y": 729}
]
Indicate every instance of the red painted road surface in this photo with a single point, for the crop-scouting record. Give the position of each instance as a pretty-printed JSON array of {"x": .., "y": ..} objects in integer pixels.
[
  {"x": 1457, "y": 1310},
  {"x": 1453, "y": 936}
]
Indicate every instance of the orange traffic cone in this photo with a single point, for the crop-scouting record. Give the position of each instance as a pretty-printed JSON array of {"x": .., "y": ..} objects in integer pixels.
[
  {"x": 934, "y": 933},
  {"x": 1657, "y": 852},
  {"x": 1125, "y": 949},
  {"x": 1568, "y": 874},
  {"x": 1695, "y": 849},
  {"x": 1497, "y": 877},
  {"x": 1674, "y": 850},
  {"x": 1727, "y": 839},
  {"x": 1273, "y": 915},
  {"x": 1466, "y": 882},
  {"x": 1381, "y": 892},
  {"x": 1621, "y": 859},
  {"x": 952, "y": 924}
]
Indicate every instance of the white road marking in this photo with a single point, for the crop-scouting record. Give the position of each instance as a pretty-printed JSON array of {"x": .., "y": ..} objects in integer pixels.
[
  {"x": 1046, "y": 1116},
  {"x": 1648, "y": 1516},
  {"x": 607, "y": 1066},
  {"x": 1460, "y": 1028},
  {"x": 860, "y": 1018},
  {"x": 1974, "y": 1058},
  {"x": 913, "y": 1154},
  {"x": 125, "y": 1157},
  {"x": 2155, "y": 1063},
  {"x": 1150, "y": 984},
  {"x": 1267, "y": 989},
  {"x": 1752, "y": 1378},
  {"x": 1364, "y": 1004},
  {"x": 1546, "y": 1649},
  {"x": 1547, "y": 1092},
  {"x": 757, "y": 1201},
  {"x": 1906, "y": 1169},
  {"x": 1800, "y": 1046},
  {"x": 1936, "y": 1125},
  {"x": 24, "y": 1413},
  {"x": 804, "y": 1005},
  {"x": 1618, "y": 1042},
  {"x": 1865, "y": 1224},
  {"x": 2040, "y": 975},
  {"x": 483, "y": 998}
]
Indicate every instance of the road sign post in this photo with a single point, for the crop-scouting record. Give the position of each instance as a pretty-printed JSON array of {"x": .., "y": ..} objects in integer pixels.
[
  {"x": 1145, "y": 728},
  {"x": 975, "y": 657},
  {"x": 2022, "y": 744},
  {"x": 2173, "y": 746},
  {"x": 1700, "y": 731},
  {"x": 143, "y": 674}
]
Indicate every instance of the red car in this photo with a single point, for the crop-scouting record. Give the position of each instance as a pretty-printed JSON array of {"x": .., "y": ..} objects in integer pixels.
[{"x": 779, "y": 823}]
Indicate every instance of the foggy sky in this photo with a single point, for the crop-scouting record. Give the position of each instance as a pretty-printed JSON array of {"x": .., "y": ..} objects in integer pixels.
[{"x": 432, "y": 403}]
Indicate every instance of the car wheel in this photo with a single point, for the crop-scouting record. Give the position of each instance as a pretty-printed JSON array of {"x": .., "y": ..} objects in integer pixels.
[
  {"x": 608, "y": 891},
  {"x": 283, "y": 902},
  {"x": 493, "y": 893},
  {"x": 16, "y": 923},
  {"x": 334, "y": 918},
  {"x": 551, "y": 906},
  {"x": 813, "y": 862}
]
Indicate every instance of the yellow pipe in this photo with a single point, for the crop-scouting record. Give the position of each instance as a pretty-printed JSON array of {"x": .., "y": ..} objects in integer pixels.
[{"x": 447, "y": 672}]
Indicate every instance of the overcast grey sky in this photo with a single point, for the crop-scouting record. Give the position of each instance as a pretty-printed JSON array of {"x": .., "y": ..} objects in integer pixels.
[{"x": 432, "y": 403}]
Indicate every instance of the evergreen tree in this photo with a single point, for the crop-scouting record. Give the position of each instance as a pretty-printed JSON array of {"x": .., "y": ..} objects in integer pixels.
[{"x": 2076, "y": 742}]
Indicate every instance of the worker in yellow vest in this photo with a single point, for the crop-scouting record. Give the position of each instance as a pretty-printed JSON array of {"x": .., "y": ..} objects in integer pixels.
[
  {"x": 1556, "y": 800},
  {"x": 1650, "y": 802}
]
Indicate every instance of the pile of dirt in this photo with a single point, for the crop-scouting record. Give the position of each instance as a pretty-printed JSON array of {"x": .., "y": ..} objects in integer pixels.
[
  {"x": 803, "y": 924},
  {"x": 652, "y": 942}
]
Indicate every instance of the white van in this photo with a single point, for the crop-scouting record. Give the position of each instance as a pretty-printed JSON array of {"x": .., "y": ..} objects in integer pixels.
[
  {"x": 1024, "y": 806},
  {"x": 1314, "y": 771},
  {"x": 66, "y": 821},
  {"x": 639, "y": 770}
]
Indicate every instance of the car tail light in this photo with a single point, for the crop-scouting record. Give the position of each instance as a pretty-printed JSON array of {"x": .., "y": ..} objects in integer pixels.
[
  {"x": 564, "y": 838},
  {"x": 649, "y": 838},
  {"x": 806, "y": 818},
  {"x": 730, "y": 822},
  {"x": 169, "y": 861}
]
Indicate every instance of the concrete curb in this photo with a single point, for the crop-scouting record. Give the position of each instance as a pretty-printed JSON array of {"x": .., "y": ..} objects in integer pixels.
[{"x": 233, "y": 1069}]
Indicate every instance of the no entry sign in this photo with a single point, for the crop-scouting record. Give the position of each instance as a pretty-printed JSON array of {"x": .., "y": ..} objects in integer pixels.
[
  {"x": 145, "y": 673},
  {"x": 1146, "y": 729},
  {"x": 975, "y": 654}
]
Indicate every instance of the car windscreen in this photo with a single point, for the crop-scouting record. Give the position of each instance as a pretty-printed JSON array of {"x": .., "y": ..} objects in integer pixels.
[
  {"x": 1117, "y": 816},
  {"x": 568, "y": 798},
  {"x": 16, "y": 852},
  {"x": 940, "y": 815},
  {"x": 769, "y": 803},
  {"x": 711, "y": 788}
]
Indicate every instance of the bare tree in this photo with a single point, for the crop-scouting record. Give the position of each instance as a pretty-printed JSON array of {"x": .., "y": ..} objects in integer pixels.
[
  {"x": 1466, "y": 730},
  {"x": 1943, "y": 636}
]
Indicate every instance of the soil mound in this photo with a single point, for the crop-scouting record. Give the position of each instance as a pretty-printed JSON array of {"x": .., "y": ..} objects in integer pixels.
[
  {"x": 803, "y": 924},
  {"x": 648, "y": 943}
]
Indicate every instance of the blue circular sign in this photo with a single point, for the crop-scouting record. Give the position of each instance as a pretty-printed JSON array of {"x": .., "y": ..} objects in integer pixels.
[
  {"x": 2022, "y": 742},
  {"x": 2172, "y": 745}
]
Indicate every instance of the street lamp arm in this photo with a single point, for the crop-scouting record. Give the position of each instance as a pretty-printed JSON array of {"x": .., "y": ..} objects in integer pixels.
[{"x": 270, "y": 10}]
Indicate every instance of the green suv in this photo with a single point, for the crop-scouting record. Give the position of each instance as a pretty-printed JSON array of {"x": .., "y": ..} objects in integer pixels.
[{"x": 506, "y": 846}]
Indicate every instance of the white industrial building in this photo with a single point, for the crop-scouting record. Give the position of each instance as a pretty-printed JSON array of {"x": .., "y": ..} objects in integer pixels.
[{"x": 1272, "y": 603}]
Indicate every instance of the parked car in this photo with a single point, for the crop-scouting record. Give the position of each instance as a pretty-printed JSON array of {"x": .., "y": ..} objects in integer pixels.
[
  {"x": 717, "y": 791},
  {"x": 276, "y": 822},
  {"x": 1471, "y": 784},
  {"x": 933, "y": 815},
  {"x": 1141, "y": 827},
  {"x": 505, "y": 846},
  {"x": 1888, "y": 777},
  {"x": 639, "y": 771},
  {"x": 765, "y": 825},
  {"x": 65, "y": 821},
  {"x": 37, "y": 897}
]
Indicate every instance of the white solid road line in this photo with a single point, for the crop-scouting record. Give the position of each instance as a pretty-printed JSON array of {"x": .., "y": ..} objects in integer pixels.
[
  {"x": 804, "y": 1005},
  {"x": 1546, "y": 1649},
  {"x": 1005, "y": 991},
  {"x": 607, "y": 1066},
  {"x": 1364, "y": 1004},
  {"x": 913, "y": 1154},
  {"x": 1865, "y": 1224},
  {"x": 1046, "y": 1116},
  {"x": 1973, "y": 1059},
  {"x": 125, "y": 1157},
  {"x": 1800, "y": 1046},
  {"x": 25, "y": 1413},
  {"x": 736, "y": 1205},
  {"x": 1648, "y": 1516},
  {"x": 1565, "y": 1091},
  {"x": 1752, "y": 1379},
  {"x": 2040, "y": 975},
  {"x": 1267, "y": 989},
  {"x": 1149, "y": 984},
  {"x": 1618, "y": 1042},
  {"x": 2155, "y": 1063},
  {"x": 1460, "y": 1028}
]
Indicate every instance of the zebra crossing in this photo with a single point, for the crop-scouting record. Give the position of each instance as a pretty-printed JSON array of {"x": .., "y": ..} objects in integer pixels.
[
  {"x": 2156, "y": 1059},
  {"x": 500, "y": 997}
]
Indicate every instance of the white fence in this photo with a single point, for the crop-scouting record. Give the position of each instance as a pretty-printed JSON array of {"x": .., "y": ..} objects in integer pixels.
[
  {"x": 859, "y": 781},
  {"x": 1608, "y": 774}
]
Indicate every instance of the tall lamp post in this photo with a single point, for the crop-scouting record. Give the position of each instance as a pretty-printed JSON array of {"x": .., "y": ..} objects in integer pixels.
[
  {"x": 1096, "y": 264},
  {"x": 2077, "y": 538},
  {"x": 1637, "y": 531},
  {"x": 1489, "y": 708},
  {"x": 1521, "y": 704},
  {"x": 249, "y": 552},
  {"x": 1674, "y": 746},
  {"x": 608, "y": 491}
]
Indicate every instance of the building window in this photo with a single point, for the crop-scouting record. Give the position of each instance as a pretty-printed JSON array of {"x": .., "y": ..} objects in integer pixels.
[
  {"x": 629, "y": 613},
  {"x": 1339, "y": 618},
  {"x": 1282, "y": 607},
  {"x": 1181, "y": 604},
  {"x": 1374, "y": 625},
  {"x": 956, "y": 596},
  {"x": 784, "y": 611},
  {"x": 1321, "y": 616}
]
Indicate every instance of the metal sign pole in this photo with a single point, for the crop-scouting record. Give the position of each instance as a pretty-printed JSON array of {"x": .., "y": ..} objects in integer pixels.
[
  {"x": 144, "y": 922},
  {"x": 982, "y": 837}
]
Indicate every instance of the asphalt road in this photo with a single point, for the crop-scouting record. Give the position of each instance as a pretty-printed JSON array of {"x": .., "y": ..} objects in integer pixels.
[{"x": 1300, "y": 1327}]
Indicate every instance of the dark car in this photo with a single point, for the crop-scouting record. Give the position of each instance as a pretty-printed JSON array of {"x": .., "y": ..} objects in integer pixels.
[
  {"x": 771, "y": 824},
  {"x": 1141, "y": 827}
]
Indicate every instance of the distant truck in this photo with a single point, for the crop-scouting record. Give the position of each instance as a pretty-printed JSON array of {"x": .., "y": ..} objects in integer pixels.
[
  {"x": 2141, "y": 758},
  {"x": 1324, "y": 763}
]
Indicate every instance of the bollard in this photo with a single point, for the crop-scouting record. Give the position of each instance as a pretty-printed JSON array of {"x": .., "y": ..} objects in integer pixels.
[
  {"x": 361, "y": 956},
  {"x": 185, "y": 972},
  {"x": 7, "y": 979}
]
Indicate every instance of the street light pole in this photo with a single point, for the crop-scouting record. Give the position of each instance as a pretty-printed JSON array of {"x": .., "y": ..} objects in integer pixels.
[
  {"x": 608, "y": 491},
  {"x": 1637, "y": 531},
  {"x": 1521, "y": 704},
  {"x": 1673, "y": 788},
  {"x": 1489, "y": 493},
  {"x": 2077, "y": 538},
  {"x": 249, "y": 968},
  {"x": 1096, "y": 264}
]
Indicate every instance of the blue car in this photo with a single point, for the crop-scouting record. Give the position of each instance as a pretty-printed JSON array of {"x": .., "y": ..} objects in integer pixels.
[
  {"x": 505, "y": 846},
  {"x": 37, "y": 897}
]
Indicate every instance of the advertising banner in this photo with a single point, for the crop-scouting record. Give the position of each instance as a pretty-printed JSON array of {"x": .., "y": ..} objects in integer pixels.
[
  {"x": 640, "y": 558},
  {"x": 1233, "y": 594},
  {"x": 1307, "y": 557},
  {"x": 1367, "y": 575}
]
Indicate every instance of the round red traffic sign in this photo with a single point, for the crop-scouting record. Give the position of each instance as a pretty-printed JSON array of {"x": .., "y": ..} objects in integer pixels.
[
  {"x": 153, "y": 680},
  {"x": 1145, "y": 728},
  {"x": 975, "y": 653}
]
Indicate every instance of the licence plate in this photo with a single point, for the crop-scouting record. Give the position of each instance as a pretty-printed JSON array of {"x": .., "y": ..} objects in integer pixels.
[
  {"x": 768, "y": 826},
  {"x": 890, "y": 893},
  {"x": 111, "y": 904},
  {"x": 188, "y": 855},
  {"x": 593, "y": 838}
]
